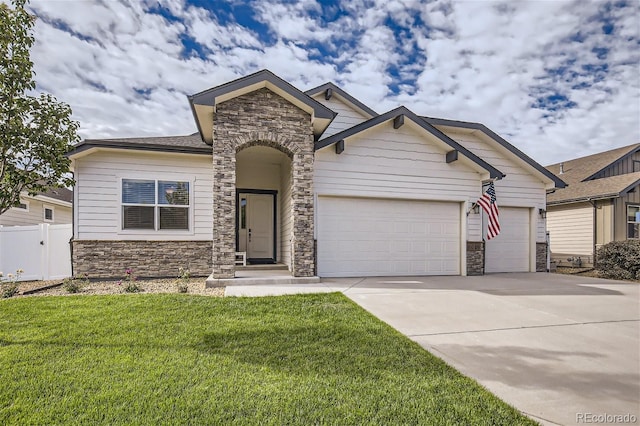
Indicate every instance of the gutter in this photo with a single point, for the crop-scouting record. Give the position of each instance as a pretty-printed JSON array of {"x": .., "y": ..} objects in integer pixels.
[
  {"x": 50, "y": 200},
  {"x": 583, "y": 199}
]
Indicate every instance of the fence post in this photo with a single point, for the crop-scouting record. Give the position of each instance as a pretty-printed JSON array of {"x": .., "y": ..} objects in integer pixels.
[{"x": 44, "y": 250}]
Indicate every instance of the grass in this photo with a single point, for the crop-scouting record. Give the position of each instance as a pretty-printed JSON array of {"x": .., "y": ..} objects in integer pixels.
[{"x": 182, "y": 359}]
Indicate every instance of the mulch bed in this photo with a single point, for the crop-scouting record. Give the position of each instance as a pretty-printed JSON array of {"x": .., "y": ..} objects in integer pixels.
[
  {"x": 586, "y": 272},
  {"x": 168, "y": 285}
]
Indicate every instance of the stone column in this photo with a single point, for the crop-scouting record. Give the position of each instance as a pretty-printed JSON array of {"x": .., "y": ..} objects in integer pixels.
[
  {"x": 302, "y": 213},
  {"x": 541, "y": 257},
  {"x": 224, "y": 210},
  {"x": 475, "y": 258}
]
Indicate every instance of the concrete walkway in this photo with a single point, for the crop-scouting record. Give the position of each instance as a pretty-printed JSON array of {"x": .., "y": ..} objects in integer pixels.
[{"x": 561, "y": 349}]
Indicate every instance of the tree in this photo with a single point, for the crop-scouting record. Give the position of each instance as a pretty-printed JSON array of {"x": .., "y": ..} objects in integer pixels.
[{"x": 35, "y": 131}]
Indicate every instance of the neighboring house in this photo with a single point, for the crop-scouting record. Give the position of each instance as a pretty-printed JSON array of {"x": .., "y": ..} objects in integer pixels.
[
  {"x": 600, "y": 204},
  {"x": 52, "y": 206},
  {"x": 313, "y": 180}
]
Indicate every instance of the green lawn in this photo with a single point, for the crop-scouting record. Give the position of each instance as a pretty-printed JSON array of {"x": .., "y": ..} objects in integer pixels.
[{"x": 180, "y": 359}]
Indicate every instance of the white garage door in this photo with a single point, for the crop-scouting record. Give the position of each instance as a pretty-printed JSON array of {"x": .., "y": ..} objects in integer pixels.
[
  {"x": 509, "y": 251},
  {"x": 381, "y": 237}
]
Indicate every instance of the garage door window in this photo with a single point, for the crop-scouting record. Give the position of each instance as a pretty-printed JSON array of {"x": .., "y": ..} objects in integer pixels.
[{"x": 633, "y": 222}]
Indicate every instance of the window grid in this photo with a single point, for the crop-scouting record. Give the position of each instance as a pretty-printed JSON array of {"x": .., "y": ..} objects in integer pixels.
[
  {"x": 160, "y": 215},
  {"x": 48, "y": 214},
  {"x": 633, "y": 222}
]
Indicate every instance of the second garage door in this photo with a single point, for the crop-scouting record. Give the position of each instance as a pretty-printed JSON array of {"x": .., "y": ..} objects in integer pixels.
[
  {"x": 383, "y": 237},
  {"x": 509, "y": 251}
]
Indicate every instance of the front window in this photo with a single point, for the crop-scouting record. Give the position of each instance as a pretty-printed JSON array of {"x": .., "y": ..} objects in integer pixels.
[
  {"x": 633, "y": 222},
  {"x": 155, "y": 204}
]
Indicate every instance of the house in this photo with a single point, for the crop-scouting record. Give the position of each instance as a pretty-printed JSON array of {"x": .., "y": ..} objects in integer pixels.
[
  {"x": 52, "y": 206},
  {"x": 600, "y": 204},
  {"x": 313, "y": 180}
]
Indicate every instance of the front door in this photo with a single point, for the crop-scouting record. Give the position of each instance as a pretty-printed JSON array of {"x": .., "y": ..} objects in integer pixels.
[{"x": 256, "y": 226}]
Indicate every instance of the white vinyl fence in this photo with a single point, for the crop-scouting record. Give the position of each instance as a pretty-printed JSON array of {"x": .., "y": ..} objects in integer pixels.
[{"x": 41, "y": 251}]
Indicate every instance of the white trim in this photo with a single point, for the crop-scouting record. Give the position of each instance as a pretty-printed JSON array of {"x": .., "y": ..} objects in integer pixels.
[
  {"x": 50, "y": 200},
  {"x": 157, "y": 177},
  {"x": 627, "y": 222},
  {"x": 46, "y": 199},
  {"x": 46, "y": 207},
  {"x": 464, "y": 223},
  {"x": 533, "y": 231}
]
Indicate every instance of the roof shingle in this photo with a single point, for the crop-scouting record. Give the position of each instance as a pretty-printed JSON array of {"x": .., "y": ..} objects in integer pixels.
[
  {"x": 187, "y": 143},
  {"x": 579, "y": 172}
]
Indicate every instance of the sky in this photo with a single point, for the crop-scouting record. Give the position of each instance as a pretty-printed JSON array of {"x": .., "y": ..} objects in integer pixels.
[{"x": 558, "y": 79}]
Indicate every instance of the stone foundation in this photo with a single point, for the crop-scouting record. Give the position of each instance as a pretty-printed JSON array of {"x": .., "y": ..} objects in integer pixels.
[
  {"x": 541, "y": 257},
  {"x": 147, "y": 259},
  {"x": 475, "y": 258}
]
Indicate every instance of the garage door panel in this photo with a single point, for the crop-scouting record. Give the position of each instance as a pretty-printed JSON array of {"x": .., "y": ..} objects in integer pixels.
[
  {"x": 378, "y": 237},
  {"x": 509, "y": 251}
]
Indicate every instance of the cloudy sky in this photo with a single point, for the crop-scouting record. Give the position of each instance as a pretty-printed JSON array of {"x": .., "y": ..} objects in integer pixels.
[{"x": 558, "y": 79}]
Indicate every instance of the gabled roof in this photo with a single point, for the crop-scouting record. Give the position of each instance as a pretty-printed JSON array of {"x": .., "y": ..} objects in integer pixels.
[
  {"x": 559, "y": 182},
  {"x": 203, "y": 103},
  {"x": 188, "y": 144},
  {"x": 579, "y": 173},
  {"x": 344, "y": 95},
  {"x": 391, "y": 115},
  {"x": 609, "y": 187},
  {"x": 60, "y": 194},
  {"x": 584, "y": 168}
]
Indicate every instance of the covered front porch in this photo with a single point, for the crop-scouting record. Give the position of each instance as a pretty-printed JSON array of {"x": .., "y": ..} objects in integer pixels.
[
  {"x": 262, "y": 131},
  {"x": 263, "y": 207}
]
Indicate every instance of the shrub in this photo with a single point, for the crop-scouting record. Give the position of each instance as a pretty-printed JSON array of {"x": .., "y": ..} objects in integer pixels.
[
  {"x": 131, "y": 284},
  {"x": 619, "y": 260},
  {"x": 183, "y": 280},
  {"x": 75, "y": 284},
  {"x": 10, "y": 288}
]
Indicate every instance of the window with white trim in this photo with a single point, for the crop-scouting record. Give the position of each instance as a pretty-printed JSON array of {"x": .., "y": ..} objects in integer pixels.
[
  {"x": 155, "y": 204},
  {"x": 633, "y": 222},
  {"x": 48, "y": 214}
]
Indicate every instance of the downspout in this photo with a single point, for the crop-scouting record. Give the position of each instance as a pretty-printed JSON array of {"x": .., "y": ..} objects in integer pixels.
[{"x": 595, "y": 229}]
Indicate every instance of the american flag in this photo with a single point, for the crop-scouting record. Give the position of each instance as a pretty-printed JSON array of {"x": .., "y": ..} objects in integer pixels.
[{"x": 489, "y": 205}]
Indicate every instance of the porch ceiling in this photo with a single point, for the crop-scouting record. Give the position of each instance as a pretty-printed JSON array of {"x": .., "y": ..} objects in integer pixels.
[{"x": 262, "y": 154}]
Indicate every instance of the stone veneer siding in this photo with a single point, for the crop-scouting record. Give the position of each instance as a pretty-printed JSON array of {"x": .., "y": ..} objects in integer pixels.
[
  {"x": 262, "y": 118},
  {"x": 110, "y": 259},
  {"x": 541, "y": 257},
  {"x": 475, "y": 258}
]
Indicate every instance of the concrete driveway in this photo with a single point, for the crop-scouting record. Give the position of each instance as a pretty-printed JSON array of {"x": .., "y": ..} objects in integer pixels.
[{"x": 562, "y": 349}]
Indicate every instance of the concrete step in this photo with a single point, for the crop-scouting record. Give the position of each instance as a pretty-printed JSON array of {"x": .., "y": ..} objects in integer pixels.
[
  {"x": 263, "y": 267},
  {"x": 260, "y": 280}
]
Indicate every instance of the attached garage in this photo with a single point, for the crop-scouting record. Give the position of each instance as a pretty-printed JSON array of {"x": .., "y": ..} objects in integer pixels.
[
  {"x": 387, "y": 237},
  {"x": 510, "y": 250}
]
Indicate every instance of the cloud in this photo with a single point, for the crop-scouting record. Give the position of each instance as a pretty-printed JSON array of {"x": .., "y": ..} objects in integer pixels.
[{"x": 558, "y": 79}]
